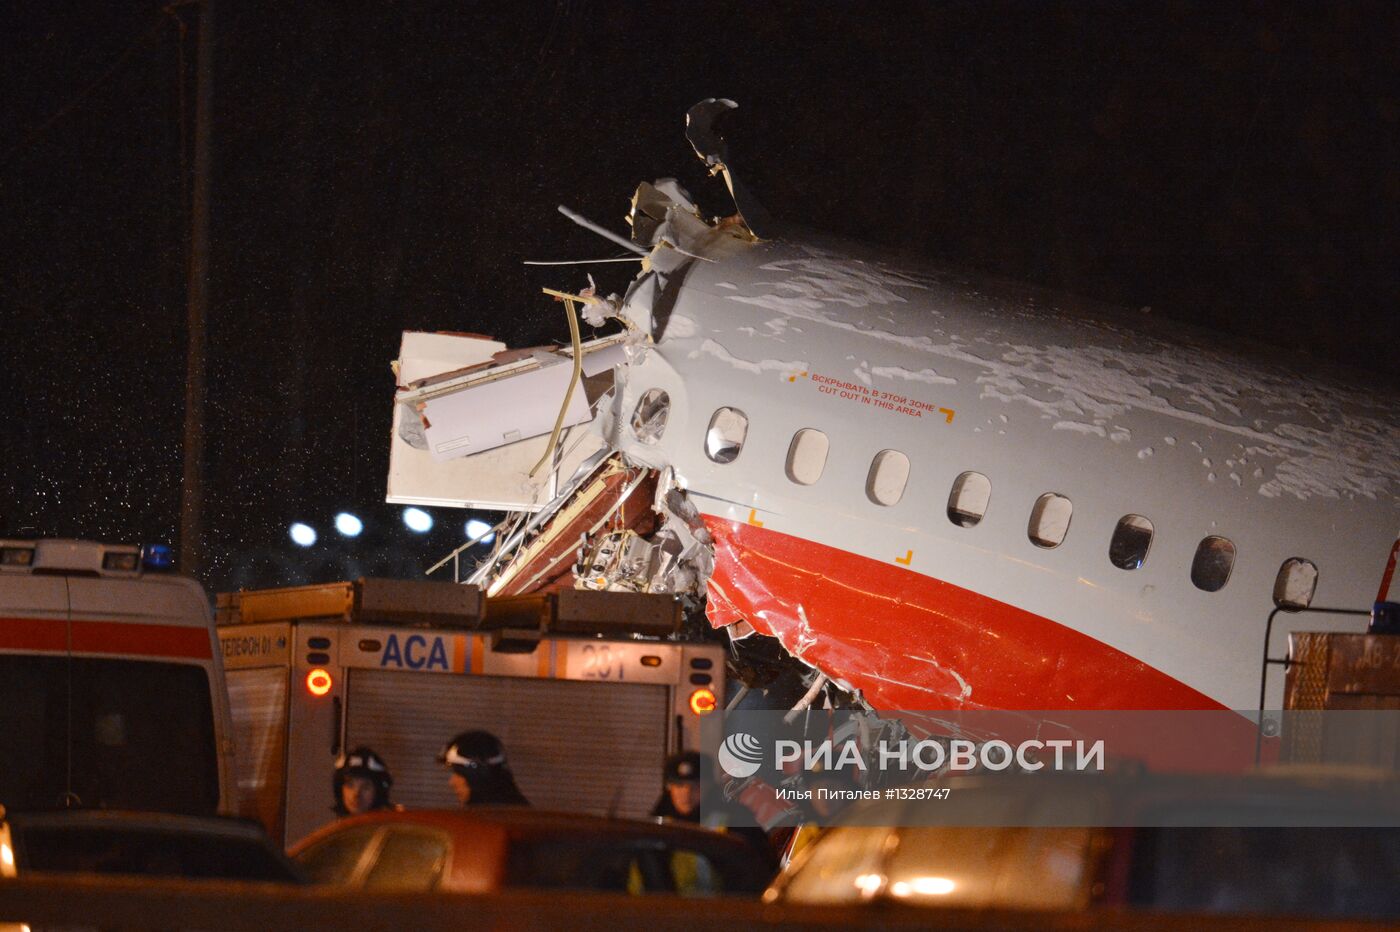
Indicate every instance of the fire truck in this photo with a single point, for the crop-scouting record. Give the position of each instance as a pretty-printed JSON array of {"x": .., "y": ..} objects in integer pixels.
[
  {"x": 587, "y": 690},
  {"x": 111, "y": 687}
]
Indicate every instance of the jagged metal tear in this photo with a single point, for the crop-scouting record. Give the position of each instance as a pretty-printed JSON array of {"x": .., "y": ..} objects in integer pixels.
[{"x": 710, "y": 145}]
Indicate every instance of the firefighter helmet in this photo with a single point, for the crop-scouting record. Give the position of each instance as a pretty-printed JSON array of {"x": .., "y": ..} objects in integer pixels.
[
  {"x": 362, "y": 762},
  {"x": 473, "y": 749}
]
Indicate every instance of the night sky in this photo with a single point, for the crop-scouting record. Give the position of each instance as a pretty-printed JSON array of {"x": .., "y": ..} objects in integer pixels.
[{"x": 387, "y": 166}]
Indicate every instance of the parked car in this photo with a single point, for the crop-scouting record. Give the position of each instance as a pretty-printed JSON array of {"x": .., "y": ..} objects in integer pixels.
[
  {"x": 140, "y": 843},
  {"x": 492, "y": 848},
  {"x": 1187, "y": 863}
]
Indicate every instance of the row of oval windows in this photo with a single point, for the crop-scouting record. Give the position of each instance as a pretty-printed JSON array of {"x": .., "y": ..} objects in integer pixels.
[{"x": 967, "y": 502}]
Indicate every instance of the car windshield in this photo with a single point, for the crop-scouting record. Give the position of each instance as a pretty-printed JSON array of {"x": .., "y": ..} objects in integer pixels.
[
  {"x": 1006, "y": 868},
  {"x": 119, "y": 849},
  {"x": 334, "y": 859},
  {"x": 1009, "y": 868},
  {"x": 100, "y": 733},
  {"x": 626, "y": 865},
  {"x": 1339, "y": 872}
]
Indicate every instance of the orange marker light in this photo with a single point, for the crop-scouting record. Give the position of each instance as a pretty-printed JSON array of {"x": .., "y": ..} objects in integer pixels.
[
  {"x": 702, "y": 701},
  {"x": 318, "y": 683}
]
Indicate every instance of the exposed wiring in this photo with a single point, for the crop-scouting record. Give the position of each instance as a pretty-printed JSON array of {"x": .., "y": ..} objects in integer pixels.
[
  {"x": 806, "y": 700},
  {"x": 616, "y": 507}
]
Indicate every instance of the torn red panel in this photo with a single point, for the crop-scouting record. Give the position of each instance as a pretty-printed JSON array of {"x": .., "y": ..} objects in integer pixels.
[{"x": 907, "y": 641}]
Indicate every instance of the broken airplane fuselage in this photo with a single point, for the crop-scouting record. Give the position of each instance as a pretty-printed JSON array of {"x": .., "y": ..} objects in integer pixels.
[{"x": 936, "y": 492}]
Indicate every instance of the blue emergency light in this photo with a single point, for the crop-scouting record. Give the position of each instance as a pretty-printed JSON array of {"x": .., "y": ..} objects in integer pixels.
[
  {"x": 158, "y": 557},
  {"x": 1385, "y": 618}
]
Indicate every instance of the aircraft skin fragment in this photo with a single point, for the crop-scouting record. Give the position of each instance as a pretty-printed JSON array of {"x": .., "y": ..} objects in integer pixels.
[{"x": 709, "y": 144}]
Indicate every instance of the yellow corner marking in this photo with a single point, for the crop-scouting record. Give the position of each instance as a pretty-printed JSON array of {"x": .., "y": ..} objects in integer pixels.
[
  {"x": 753, "y": 518},
  {"x": 947, "y": 412},
  {"x": 906, "y": 559},
  {"x": 797, "y": 375}
]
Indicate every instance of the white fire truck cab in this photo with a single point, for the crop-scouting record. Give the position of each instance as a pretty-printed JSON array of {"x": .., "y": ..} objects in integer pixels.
[
  {"x": 111, "y": 687},
  {"x": 584, "y": 689}
]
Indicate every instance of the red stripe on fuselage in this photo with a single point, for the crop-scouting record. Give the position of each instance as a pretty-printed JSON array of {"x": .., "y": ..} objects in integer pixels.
[
  {"x": 909, "y": 641},
  {"x": 106, "y": 637}
]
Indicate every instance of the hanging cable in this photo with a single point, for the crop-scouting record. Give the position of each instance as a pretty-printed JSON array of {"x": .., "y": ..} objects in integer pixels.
[{"x": 568, "y": 300}]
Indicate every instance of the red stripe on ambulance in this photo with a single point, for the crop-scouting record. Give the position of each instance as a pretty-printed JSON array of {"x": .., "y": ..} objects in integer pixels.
[
  {"x": 32, "y": 634},
  {"x": 106, "y": 637}
]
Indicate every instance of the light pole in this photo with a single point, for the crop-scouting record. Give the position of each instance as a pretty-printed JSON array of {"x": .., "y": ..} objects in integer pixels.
[{"x": 192, "y": 488}]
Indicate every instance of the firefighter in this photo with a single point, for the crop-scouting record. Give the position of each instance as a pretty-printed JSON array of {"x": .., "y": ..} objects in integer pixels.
[
  {"x": 480, "y": 775},
  {"x": 685, "y": 794},
  {"x": 361, "y": 783},
  {"x": 680, "y": 798}
]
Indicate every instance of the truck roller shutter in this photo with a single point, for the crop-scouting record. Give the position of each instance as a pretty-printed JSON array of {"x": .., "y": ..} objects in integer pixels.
[
  {"x": 258, "y": 704},
  {"x": 573, "y": 746}
]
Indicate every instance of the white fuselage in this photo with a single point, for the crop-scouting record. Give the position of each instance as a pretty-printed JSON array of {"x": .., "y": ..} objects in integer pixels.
[{"x": 1120, "y": 417}]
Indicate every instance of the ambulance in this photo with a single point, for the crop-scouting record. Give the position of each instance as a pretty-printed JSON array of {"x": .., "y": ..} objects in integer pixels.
[
  {"x": 588, "y": 691},
  {"x": 111, "y": 686}
]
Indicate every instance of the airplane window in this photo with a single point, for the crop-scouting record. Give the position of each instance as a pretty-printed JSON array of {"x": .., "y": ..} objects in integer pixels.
[
  {"x": 1210, "y": 570},
  {"x": 725, "y": 438},
  {"x": 889, "y": 472},
  {"x": 1131, "y": 540},
  {"x": 649, "y": 417},
  {"x": 1296, "y": 583},
  {"x": 807, "y": 456},
  {"x": 967, "y": 503},
  {"x": 1050, "y": 520}
]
